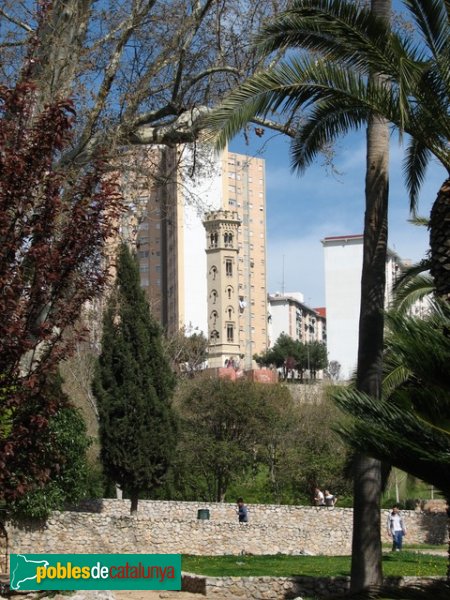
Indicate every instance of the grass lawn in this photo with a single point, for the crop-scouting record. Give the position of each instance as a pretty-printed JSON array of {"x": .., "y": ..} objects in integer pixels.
[{"x": 397, "y": 564}]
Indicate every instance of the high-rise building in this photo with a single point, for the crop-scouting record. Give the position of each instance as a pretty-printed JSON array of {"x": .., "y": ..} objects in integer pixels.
[
  {"x": 174, "y": 251},
  {"x": 343, "y": 268}
]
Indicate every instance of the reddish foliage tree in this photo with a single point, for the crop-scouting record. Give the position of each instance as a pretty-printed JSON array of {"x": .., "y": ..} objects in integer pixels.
[{"x": 53, "y": 234}]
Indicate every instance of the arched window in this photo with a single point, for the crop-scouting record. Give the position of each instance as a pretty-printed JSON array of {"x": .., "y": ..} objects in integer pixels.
[
  {"x": 214, "y": 334},
  {"x": 230, "y": 312},
  {"x": 229, "y": 292},
  {"x": 214, "y": 296},
  {"x": 213, "y": 272},
  {"x": 214, "y": 316}
]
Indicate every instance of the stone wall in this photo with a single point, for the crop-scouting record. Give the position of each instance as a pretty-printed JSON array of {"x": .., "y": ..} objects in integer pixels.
[
  {"x": 173, "y": 527},
  {"x": 274, "y": 588}
]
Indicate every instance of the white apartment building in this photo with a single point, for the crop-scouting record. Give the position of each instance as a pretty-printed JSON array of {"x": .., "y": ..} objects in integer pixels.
[
  {"x": 343, "y": 267},
  {"x": 289, "y": 315}
]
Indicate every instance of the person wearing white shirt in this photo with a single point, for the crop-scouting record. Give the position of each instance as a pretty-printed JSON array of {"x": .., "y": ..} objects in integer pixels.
[{"x": 396, "y": 528}]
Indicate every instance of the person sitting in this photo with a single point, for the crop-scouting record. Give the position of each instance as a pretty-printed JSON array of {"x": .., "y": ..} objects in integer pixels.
[
  {"x": 319, "y": 499},
  {"x": 330, "y": 500}
]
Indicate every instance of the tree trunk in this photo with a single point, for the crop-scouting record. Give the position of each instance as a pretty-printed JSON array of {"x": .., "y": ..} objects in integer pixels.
[
  {"x": 366, "y": 568},
  {"x": 448, "y": 535},
  {"x": 440, "y": 241},
  {"x": 134, "y": 502}
]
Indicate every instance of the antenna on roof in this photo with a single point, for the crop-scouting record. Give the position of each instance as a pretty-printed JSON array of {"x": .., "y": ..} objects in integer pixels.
[{"x": 282, "y": 280}]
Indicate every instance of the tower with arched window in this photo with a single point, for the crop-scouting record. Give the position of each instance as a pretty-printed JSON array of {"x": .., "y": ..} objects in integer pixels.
[{"x": 222, "y": 286}]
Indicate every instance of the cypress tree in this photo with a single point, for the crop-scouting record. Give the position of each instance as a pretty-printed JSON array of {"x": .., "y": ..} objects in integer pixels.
[{"x": 133, "y": 385}]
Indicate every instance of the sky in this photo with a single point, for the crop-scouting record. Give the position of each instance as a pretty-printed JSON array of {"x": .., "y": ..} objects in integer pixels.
[{"x": 304, "y": 209}]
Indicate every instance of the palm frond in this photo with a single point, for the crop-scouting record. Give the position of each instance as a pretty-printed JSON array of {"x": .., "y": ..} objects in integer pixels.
[
  {"x": 327, "y": 122},
  {"x": 432, "y": 21},
  {"x": 396, "y": 377},
  {"x": 393, "y": 434},
  {"x": 411, "y": 291},
  {"x": 333, "y": 28},
  {"x": 420, "y": 222},
  {"x": 416, "y": 160}
]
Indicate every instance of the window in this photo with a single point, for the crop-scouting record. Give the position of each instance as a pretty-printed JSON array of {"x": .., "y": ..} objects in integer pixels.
[
  {"x": 230, "y": 313},
  {"x": 228, "y": 240},
  {"x": 214, "y": 296},
  {"x": 214, "y": 335},
  {"x": 229, "y": 267},
  {"x": 229, "y": 291},
  {"x": 230, "y": 333},
  {"x": 213, "y": 272}
]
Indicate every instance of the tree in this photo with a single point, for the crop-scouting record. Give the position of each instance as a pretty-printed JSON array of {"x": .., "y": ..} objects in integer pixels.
[
  {"x": 286, "y": 353},
  {"x": 411, "y": 93},
  {"x": 145, "y": 71},
  {"x": 187, "y": 351},
  {"x": 52, "y": 231},
  {"x": 317, "y": 358},
  {"x": 309, "y": 454},
  {"x": 222, "y": 427},
  {"x": 66, "y": 443},
  {"x": 410, "y": 428},
  {"x": 361, "y": 71},
  {"x": 133, "y": 384}
]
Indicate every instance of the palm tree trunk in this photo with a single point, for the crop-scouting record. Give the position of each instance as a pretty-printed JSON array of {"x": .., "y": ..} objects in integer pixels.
[
  {"x": 366, "y": 568},
  {"x": 440, "y": 241}
]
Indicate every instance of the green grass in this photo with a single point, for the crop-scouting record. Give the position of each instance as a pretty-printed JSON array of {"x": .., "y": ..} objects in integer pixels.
[
  {"x": 424, "y": 547},
  {"x": 396, "y": 564}
]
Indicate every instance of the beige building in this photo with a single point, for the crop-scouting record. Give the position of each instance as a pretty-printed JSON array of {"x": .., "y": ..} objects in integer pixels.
[{"x": 175, "y": 255}]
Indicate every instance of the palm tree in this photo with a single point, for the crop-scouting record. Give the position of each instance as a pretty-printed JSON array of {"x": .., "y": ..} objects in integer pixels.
[
  {"x": 410, "y": 427},
  {"x": 337, "y": 91},
  {"x": 334, "y": 88}
]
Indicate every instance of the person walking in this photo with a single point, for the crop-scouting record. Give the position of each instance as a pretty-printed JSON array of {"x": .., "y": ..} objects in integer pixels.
[
  {"x": 242, "y": 511},
  {"x": 396, "y": 528}
]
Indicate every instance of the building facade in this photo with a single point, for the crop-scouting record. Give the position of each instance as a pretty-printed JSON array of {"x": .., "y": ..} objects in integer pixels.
[
  {"x": 289, "y": 315},
  {"x": 175, "y": 261},
  {"x": 343, "y": 267}
]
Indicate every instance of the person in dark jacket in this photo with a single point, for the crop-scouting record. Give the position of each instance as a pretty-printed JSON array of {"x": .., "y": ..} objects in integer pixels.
[{"x": 242, "y": 511}]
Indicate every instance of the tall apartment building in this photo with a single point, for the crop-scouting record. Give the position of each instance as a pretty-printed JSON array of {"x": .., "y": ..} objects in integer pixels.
[
  {"x": 173, "y": 249},
  {"x": 343, "y": 266}
]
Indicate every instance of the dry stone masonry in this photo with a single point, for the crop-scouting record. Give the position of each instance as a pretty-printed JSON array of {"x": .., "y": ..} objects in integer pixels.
[{"x": 105, "y": 526}]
